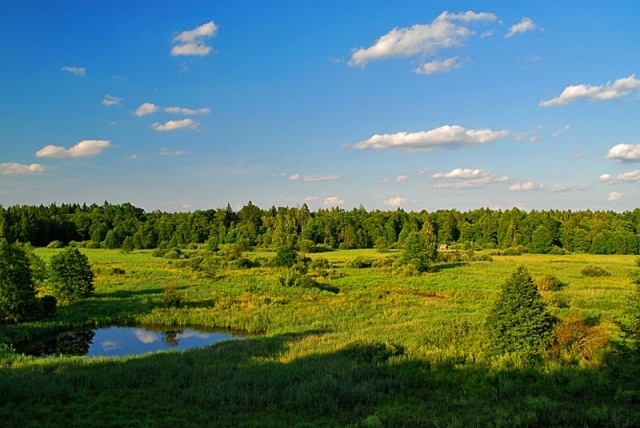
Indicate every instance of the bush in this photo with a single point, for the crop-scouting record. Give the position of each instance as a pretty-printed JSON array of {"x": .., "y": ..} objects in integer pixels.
[
  {"x": 512, "y": 251},
  {"x": 360, "y": 262},
  {"x": 55, "y": 244},
  {"x": 90, "y": 244},
  {"x": 550, "y": 283},
  {"x": 293, "y": 278},
  {"x": 48, "y": 304},
  {"x": 172, "y": 254},
  {"x": 285, "y": 257},
  {"x": 594, "y": 271},
  {"x": 170, "y": 297},
  {"x": 519, "y": 321},
  {"x": 70, "y": 275},
  {"x": 575, "y": 340}
]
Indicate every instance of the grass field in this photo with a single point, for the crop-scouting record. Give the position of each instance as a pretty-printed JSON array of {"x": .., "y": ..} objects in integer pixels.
[{"x": 364, "y": 348}]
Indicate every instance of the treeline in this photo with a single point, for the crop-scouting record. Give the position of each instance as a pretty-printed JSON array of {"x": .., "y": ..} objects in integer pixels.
[{"x": 124, "y": 225}]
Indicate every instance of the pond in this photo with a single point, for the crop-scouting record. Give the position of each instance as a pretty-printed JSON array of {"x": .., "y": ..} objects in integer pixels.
[{"x": 115, "y": 341}]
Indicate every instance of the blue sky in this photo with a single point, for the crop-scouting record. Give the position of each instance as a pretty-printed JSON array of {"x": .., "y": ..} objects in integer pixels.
[{"x": 192, "y": 105}]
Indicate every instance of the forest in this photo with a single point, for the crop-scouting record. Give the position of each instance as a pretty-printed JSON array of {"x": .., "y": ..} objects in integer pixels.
[{"x": 113, "y": 226}]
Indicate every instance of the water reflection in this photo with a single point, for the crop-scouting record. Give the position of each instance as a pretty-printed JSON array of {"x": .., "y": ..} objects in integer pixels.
[{"x": 119, "y": 341}]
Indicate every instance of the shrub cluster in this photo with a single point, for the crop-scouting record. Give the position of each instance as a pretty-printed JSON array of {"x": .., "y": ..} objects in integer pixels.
[{"x": 594, "y": 271}]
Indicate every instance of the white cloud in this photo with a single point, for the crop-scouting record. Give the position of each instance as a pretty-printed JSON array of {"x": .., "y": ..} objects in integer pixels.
[
  {"x": 13, "y": 168},
  {"x": 191, "y": 42},
  {"x": 401, "y": 178},
  {"x": 559, "y": 188},
  {"x": 132, "y": 157},
  {"x": 78, "y": 71},
  {"x": 614, "y": 196},
  {"x": 620, "y": 178},
  {"x": 617, "y": 89},
  {"x": 625, "y": 152},
  {"x": 332, "y": 201},
  {"x": 395, "y": 202},
  {"x": 446, "y": 31},
  {"x": 522, "y": 27},
  {"x": 517, "y": 187},
  {"x": 463, "y": 173},
  {"x": 145, "y": 109},
  {"x": 85, "y": 148},
  {"x": 110, "y": 100},
  {"x": 167, "y": 152},
  {"x": 461, "y": 178},
  {"x": 442, "y": 137},
  {"x": 173, "y": 125},
  {"x": 314, "y": 177},
  {"x": 187, "y": 111},
  {"x": 439, "y": 66}
]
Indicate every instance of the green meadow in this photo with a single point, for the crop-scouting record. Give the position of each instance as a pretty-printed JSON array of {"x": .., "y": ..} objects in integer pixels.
[{"x": 362, "y": 347}]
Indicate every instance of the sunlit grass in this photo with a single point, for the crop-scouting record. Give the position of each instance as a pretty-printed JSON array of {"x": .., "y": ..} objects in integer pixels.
[{"x": 313, "y": 340}]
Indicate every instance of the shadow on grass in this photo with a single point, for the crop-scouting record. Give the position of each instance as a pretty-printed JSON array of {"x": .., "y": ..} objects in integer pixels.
[
  {"x": 443, "y": 266},
  {"x": 260, "y": 382}
]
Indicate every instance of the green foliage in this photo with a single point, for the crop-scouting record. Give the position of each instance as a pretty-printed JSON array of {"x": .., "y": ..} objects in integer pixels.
[
  {"x": 170, "y": 297},
  {"x": 519, "y": 321},
  {"x": 550, "y": 283},
  {"x": 416, "y": 252},
  {"x": 293, "y": 278},
  {"x": 70, "y": 275},
  {"x": 55, "y": 244},
  {"x": 285, "y": 257},
  {"x": 541, "y": 241},
  {"x": 17, "y": 290},
  {"x": 633, "y": 304},
  {"x": 360, "y": 262},
  {"x": 594, "y": 271},
  {"x": 127, "y": 245}
]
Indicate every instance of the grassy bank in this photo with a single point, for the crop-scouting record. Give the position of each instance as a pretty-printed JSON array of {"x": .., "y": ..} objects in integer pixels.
[{"x": 363, "y": 348}]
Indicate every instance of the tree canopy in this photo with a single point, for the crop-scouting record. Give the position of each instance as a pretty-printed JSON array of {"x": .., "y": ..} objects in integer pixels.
[
  {"x": 70, "y": 275},
  {"x": 17, "y": 289}
]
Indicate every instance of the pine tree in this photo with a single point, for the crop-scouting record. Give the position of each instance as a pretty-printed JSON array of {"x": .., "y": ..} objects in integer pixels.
[{"x": 519, "y": 321}]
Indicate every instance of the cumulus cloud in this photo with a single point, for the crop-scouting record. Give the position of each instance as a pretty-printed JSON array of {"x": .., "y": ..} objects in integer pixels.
[
  {"x": 523, "y": 26},
  {"x": 167, "y": 152},
  {"x": 78, "y": 71},
  {"x": 401, "y": 178},
  {"x": 187, "y": 111},
  {"x": 460, "y": 178},
  {"x": 439, "y": 66},
  {"x": 621, "y": 178},
  {"x": 145, "y": 109},
  {"x": 314, "y": 177},
  {"x": 619, "y": 88},
  {"x": 192, "y": 42},
  {"x": 110, "y": 100},
  {"x": 333, "y": 201},
  {"x": 13, "y": 168},
  {"x": 395, "y": 202},
  {"x": 174, "y": 125},
  {"x": 442, "y": 137},
  {"x": 424, "y": 40},
  {"x": 625, "y": 153},
  {"x": 85, "y": 148},
  {"x": 614, "y": 196}
]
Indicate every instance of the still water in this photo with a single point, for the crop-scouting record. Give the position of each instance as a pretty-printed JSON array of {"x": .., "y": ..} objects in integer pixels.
[{"x": 119, "y": 341}]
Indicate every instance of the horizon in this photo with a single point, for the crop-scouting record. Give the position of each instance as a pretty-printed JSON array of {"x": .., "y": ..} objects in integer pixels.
[{"x": 433, "y": 106}]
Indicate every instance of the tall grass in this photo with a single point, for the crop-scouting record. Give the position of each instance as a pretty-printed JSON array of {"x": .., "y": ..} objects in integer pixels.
[{"x": 363, "y": 347}]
